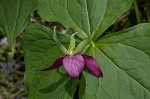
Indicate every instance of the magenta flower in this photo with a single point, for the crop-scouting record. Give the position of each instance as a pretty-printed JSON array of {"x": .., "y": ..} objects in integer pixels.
[
  {"x": 73, "y": 62},
  {"x": 74, "y": 65}
]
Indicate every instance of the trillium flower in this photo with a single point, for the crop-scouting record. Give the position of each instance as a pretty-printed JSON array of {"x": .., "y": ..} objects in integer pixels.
[
  {"x": 74, "y": 65},
  {"x": 74, "y": 62}
]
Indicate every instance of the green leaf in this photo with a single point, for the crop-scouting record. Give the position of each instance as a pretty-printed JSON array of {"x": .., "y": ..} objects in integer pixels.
[
  {"x": 41, "y": 51},
  {"x": 86, "y": 17},
  {"x": 137, "y": 36},
  {"x": 125, "y": 65},
  {"x": 115, "y": 8},
  {"x": 83, "y": 16},
  {"x": 14, "y": 17}
]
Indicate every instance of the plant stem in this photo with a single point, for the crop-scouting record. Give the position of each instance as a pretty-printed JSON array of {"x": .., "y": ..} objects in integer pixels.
[
  {"x": 147, "y": 11},
  {"x": 137, "y": 12}
]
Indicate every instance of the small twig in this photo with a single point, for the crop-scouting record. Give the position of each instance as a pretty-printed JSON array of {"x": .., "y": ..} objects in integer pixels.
[
  {"x": 35, "y": 20},
  {"x": 122, "y": 17}
]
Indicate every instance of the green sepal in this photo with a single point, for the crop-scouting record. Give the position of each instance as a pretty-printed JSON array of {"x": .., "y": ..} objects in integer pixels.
[
  {"x": 72, "y": 43},
  {"x": 85, "y": 49},
  {"x": 63, "y": 49},
  {"x": 81, "y": 46}
]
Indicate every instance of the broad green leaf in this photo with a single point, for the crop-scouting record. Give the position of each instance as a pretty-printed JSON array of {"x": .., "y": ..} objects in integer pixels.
[
  {"x": 85, "y": 16},
  {"x": 115, "y": 8},
  {"x": 14, "y": 17},
  {"x": 125, "y": 66},
  {"x": 137, "y": 36},
  {"x": 40, "y": 51}
]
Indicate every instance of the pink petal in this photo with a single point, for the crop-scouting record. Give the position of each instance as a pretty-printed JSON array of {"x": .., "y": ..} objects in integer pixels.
[
  {"x": 92, "y": 66},
  {"x": 74, "y": 65},
  {"x": 56, "y": 64}
]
